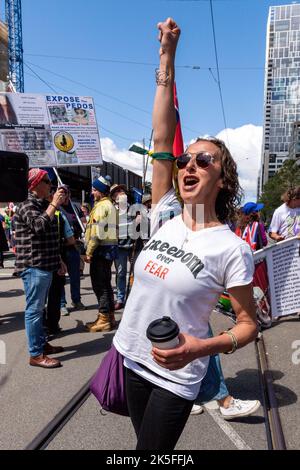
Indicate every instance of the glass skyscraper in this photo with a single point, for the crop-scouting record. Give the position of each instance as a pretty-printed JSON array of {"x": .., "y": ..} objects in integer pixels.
[{"x": 282, "y": 86}]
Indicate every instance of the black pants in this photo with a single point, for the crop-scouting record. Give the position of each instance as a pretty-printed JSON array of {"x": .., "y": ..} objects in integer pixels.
[
  {"x": 100, "y": 272},
  {"x": 158, "y": 416},
  {"x": 53, "y": 304}
]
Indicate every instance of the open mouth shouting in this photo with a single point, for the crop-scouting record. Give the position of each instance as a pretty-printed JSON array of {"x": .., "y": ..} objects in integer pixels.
[{"x": 190, "y": 182}]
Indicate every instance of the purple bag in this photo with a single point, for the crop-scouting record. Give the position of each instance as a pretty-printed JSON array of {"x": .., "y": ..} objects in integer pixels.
[{"x": 108, "y": 384}]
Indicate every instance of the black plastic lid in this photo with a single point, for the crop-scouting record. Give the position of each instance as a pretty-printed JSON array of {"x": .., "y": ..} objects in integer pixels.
[{"x": 163, "y": 329}]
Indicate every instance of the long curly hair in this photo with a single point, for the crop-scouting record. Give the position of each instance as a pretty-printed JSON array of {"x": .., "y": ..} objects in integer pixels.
[{"x": 230, "y": 195}]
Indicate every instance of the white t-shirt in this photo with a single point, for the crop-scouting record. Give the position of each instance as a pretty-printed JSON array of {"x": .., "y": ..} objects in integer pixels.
[
  {"x": 286, "y": 221},
  {"x": 179, "y": 273}
]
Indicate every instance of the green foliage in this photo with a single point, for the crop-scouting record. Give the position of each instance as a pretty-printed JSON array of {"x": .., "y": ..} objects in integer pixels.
[{"x": 287, "y": 177}]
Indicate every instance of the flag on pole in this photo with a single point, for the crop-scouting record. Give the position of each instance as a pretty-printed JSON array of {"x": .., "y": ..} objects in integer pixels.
[{"x": 178, "y": 147}]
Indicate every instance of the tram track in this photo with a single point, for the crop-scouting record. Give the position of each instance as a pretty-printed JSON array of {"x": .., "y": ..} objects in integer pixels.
[
  {"x": 274, "y": 430},
  {"x": 43, "y": 439}
]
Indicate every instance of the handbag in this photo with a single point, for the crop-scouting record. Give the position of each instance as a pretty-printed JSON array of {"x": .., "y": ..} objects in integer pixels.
[{"x": 108, "y": 384}]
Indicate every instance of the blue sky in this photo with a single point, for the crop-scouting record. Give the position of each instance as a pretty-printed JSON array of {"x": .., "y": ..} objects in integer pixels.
[{"x": 126, "y": 31}]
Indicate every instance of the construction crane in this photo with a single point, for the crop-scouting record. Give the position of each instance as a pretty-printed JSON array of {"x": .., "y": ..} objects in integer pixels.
[{"x": 13, "y": 16}]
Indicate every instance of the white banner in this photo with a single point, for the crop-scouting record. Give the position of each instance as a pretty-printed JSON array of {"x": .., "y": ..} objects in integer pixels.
[
  {"x": 53, "y": 130},
  {"x": 283, "y": 263}
]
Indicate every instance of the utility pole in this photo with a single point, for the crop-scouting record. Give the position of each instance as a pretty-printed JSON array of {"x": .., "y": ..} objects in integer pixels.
[
  {"x": 144, "y": 166},
  {"x": 13, "y": 15}
]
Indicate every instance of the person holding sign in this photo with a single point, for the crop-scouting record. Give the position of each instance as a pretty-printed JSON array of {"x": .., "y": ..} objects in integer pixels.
[{"x": 37, "y": 258}]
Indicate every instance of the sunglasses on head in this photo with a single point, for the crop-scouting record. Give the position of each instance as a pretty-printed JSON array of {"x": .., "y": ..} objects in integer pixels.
[{"x": 203, "y": 160}]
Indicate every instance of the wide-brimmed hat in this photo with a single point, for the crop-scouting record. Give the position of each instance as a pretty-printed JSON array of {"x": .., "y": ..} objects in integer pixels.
[
  {"x": 118, "y": 187},
  {"x": 250, "y": 207},
  {"x": 146, "y": 198}
]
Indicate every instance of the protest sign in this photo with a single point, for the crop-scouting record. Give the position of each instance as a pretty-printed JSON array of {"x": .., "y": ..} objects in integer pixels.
[
  {"x": 283, "y": 267},
  {"x": 53, "y": 130}
]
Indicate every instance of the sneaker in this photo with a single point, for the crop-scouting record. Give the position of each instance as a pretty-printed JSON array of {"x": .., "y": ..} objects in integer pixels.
[
  {"x": 64, "y": 311},
  {"x": 197, "y": 410},
  {"x": 78, "y": 305},
  {"x": 239, "y": 408}
]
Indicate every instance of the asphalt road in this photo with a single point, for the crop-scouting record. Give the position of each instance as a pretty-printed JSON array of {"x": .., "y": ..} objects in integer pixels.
[{"x": 31, "y": 397}]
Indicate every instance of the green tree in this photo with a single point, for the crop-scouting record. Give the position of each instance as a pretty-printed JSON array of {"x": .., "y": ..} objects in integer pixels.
[{"x": 287, "y": 177}]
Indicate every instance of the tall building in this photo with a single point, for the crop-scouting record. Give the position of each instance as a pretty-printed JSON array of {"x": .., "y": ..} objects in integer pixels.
[{"x": 282, "y": 87}]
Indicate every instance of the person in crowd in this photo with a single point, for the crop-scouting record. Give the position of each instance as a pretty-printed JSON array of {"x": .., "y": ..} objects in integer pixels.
[
  {"x": 13, "y": 230},
  {"x": 72, "y": 257},
  {"x": 101, "y": 251},
  {"x": 66, "y": 239},
  {"x": 181, "y": 272},
  {"x": 213, "y": 387},
  {"x": 7, "y": 224},
  {"x": 285, "y": 222},
  {"x": 7, "y": 113},
  {"x": 37, "y": 257},
  {"x": 147, "y": 202},
  {"x": 3, "y": 242},
  {"x": 250, "y": 228},
  {"x": 85, "y": 209},
  {"x": 119, "y": 196}
]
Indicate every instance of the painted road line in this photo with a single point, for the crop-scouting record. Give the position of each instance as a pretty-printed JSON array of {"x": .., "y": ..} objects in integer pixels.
[{"x": 235, "y": 438}]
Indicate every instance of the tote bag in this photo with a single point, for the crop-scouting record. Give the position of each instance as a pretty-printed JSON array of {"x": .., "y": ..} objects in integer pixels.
[{"x": 108, "y": 384}]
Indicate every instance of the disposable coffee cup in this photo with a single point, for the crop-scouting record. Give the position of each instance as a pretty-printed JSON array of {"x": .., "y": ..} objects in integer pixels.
[{"x": 163, "y": 333}]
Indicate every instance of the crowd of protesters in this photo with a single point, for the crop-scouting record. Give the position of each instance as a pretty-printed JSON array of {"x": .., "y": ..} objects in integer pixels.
[
  {"x": 51, "y": 238},
  {"x": 84, "y": 237}
]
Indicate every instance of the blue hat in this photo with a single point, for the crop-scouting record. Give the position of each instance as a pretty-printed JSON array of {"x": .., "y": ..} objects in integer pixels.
[
  {"x": 252, "y": 207},
  {"x": 102, "y": 184}
]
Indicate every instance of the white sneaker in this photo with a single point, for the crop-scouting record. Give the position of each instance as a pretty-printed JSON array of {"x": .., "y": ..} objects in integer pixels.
[
  {"x": 197, "y": 410},
  {"x": 239, "y": 408},
  {"x": 64, "y": 311}
]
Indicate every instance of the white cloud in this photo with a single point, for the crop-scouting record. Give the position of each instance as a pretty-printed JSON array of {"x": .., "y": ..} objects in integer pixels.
[
  {"x": 244, "y": 142},
  {"x": 122, "y": 157}
]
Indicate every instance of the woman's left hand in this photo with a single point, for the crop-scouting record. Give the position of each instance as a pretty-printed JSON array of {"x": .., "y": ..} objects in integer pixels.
[{"x": 188, "y": 349}]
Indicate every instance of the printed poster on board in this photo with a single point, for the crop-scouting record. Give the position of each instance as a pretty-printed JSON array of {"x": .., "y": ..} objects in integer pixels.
[
  {"x": 282, "y": 274},
  {"x": 53, "y": 130}
]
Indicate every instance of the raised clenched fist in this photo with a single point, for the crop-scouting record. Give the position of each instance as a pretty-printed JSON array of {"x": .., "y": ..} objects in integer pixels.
[{"x": 168, "y": 36}]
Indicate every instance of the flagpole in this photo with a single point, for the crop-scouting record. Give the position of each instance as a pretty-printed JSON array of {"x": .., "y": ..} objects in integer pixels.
[{"x": 146, "y": 167}]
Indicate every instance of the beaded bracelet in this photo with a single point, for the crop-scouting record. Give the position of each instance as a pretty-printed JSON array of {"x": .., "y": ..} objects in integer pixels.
[
  {"x": 233, "y": 340},
  {"x": 163, "y": 156}
]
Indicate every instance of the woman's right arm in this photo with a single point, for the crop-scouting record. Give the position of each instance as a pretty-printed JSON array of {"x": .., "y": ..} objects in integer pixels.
[{"x": 164, "y": 113}]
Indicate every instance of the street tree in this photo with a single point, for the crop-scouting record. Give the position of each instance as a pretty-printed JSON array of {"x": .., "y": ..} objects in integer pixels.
[{"x": 287, "y": 177}]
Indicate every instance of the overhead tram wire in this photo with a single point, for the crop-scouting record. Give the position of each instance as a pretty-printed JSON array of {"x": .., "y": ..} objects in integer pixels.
[
  {"x": 40, "y": 78},
  {"x": 72, "y": 93},
  {"x": 106, "y": 95},
  {"x": 101, "y": 106},
  {"x": 89, "y": 88},
  {"x": 128, "y": 62},
  {"x": 218, "y": 71},
  {"x": 205, "y": 1}
]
